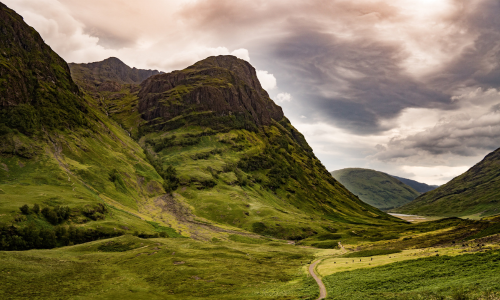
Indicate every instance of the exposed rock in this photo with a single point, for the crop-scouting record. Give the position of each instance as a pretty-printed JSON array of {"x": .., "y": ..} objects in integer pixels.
[
  {"x": 109, "y": 86},
  {"x": 93, "y": 76},
  {"x": 222, "y": 86}
]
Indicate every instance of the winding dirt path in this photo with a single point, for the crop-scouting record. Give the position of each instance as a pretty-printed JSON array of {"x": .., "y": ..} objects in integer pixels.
[{"x": 322, "y": 288}]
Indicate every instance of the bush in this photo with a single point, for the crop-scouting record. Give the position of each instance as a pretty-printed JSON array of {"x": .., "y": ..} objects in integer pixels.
[
  {"x": 25, "y": 210},
  {"x": 171, "y": 181},
  {"x": 95, "y": 212},
  {"x": 56, "y": 215},
  {"x": 36, "y": 208},
  {"x": 326, "y": 245}
]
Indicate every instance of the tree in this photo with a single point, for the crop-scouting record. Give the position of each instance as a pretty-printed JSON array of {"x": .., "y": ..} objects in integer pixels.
[
  {"x": 25, "y": 210},
  {"x": 36, "y": 208},
  {"x": 50, "y": 215},
  {"x": 171, "y": 181}
]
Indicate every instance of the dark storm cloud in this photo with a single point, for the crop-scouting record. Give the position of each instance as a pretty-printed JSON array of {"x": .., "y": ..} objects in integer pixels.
[
  {"x": 352, "y": 84},
  {"x": 479, "y": 65},
  {"x": 458, "y": 135}
]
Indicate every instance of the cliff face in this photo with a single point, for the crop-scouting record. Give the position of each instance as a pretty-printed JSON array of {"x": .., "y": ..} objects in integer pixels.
[
  {"x": 97, "y": 76},
  {"x": 36, "y": 89},
  {"x": 222, "y": 87}
]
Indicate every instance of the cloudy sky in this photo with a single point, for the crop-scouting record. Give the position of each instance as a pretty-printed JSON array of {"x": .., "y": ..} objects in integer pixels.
[{"x": 408, "y": 87}]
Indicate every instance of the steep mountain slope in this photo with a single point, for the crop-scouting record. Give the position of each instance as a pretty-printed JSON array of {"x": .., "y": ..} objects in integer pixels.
[
  {"x": 209, "y": 136},
  {"x": 376, "y": 188},
  {"x": 60, "y": 152},
  {"x": 36, "y": 90},
  {"x": 108, "y": 75},
  {"x": 477, "y": 191},
  {"x": 114, "y": 87},
  {"x": 237, "y": 159},
  {"x": 417, "y": 186}
]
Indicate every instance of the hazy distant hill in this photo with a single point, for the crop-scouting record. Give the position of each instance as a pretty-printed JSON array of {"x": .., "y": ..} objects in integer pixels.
[
  {"x": 417, "y": 186},
  {"x": 475, "y": 191},
  {"x": 108, "y": 75},
  {"x": 376, "y": 188}
]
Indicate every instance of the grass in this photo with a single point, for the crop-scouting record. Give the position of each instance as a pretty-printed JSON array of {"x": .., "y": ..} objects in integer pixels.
[
  {"x": 133, "y": 268},
  {"x": 442, "y": 276}
]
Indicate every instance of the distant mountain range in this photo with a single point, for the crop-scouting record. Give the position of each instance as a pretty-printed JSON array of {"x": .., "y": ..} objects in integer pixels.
[
  {"x": 377, "y": 188},
  {"x": 417, "y": 186},
  {"x": 477, "y": 191}
]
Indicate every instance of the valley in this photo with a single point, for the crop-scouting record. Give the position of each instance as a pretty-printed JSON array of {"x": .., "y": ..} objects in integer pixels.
[{"x": 126, "y": 183}]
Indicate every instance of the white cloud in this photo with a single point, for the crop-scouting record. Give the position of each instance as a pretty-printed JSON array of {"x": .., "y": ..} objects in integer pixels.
[
  {"x": 242, "y": 54},
  {"x": 436, "y": 174},
  {"x": 283, "y": 97},
  {"x": 268, "y": 81}
]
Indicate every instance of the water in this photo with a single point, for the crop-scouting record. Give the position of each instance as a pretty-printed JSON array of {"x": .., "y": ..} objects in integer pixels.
[{"x": 402, "y": 215}]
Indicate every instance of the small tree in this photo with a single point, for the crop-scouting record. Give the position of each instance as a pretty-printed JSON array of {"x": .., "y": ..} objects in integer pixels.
[
  {"x": 171, "y": 181},
  {"x": 36, "y": 208},
  {"x": 25, "y": 210}
]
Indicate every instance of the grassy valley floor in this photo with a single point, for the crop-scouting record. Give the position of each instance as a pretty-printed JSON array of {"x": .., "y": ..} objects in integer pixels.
[
  {"x": 469, "y": 270},
  {"x": 132, "y": 268}
]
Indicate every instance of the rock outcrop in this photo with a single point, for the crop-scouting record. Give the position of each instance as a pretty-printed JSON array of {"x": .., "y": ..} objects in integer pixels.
[
  {"x": 218, "y": 88},
  {"x": 93, "y": 76}
]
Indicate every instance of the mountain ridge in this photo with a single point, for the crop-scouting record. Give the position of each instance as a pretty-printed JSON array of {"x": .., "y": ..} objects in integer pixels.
[
  {"x": 108, "y": 75},
  {"x": 474, "y": 192},
  {"x": 417, "y": 186}
]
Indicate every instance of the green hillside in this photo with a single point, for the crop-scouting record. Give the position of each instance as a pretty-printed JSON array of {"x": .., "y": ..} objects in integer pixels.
[
  {"x": 202, "y": 152},
  {"x": 74, "y": 172},
  {"x": 238, "y": 160},
  {"x": 376, "y": 188},
  {"x": 477, "y": 191}
]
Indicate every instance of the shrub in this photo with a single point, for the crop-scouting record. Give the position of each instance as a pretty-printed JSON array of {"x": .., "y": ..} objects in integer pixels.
[
  {"x": 171, "y": 181},
  {"x": 36, "y": 208},
  {"x": 25, "y": 210}
]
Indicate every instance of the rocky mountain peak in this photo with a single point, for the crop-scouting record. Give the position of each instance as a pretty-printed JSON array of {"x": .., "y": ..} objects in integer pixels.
[
  {"x": 92, "y": 75},
  {"x": 219, "y": 86}
]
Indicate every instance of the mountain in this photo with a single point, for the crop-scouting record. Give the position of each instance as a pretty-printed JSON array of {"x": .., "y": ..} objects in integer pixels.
[
  {"x": 36, "y": 90},
  {"x": 477, "y": 191},
  {"x": 417, "y": 186},
  {"x": 108, "y": 75},
  {"x": 63, "y": 162},
  {"x": 376, "y": 188},
  {"x": 238, "y": 160},
  {"x": 203, "y": 152}
]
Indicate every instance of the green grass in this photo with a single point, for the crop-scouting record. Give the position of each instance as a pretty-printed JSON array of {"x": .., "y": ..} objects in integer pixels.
[
  {"x": 132, "y": 268},
  {"x": 441, "y": 275}
]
